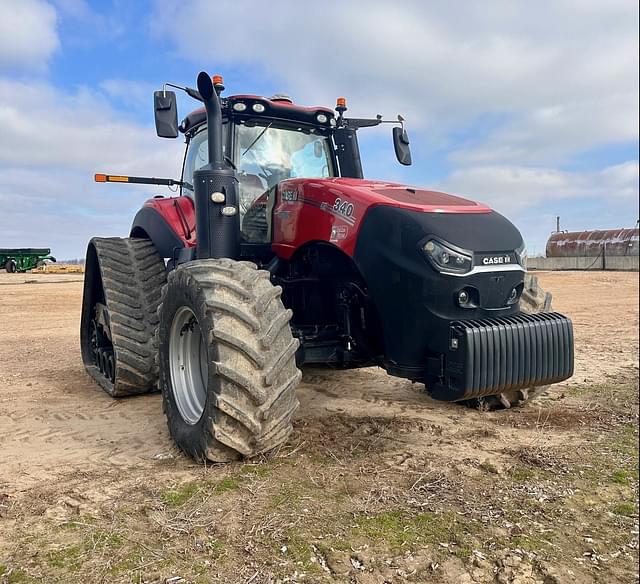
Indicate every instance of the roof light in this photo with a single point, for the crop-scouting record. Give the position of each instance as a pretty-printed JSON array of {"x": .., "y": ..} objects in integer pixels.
[
  {"x": 341, "y": 102},
  {"x": 322, "y": 118},
  {"x": 239, "y": 106},
  {"x": 217, "y": 80},
  {"x": 258, "y": 108}
]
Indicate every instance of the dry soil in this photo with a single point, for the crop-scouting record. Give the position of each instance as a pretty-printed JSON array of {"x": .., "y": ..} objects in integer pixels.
[{"x": 378, "y": 483}]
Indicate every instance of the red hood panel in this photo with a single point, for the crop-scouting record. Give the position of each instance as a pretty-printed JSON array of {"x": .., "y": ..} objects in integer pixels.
[{"x": 373, "y": 193}]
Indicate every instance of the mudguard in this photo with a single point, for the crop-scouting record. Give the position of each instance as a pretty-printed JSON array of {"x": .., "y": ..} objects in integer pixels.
[{"x": 169, "y": 223}]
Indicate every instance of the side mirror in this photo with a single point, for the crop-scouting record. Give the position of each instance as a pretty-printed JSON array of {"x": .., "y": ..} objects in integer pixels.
[
  {"x": 401, "y": 146},
  {"x": 166, "y": 114}
]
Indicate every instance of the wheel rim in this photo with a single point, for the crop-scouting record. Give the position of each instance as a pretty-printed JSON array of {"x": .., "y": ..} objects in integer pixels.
[{"x": 188, "y": 365}]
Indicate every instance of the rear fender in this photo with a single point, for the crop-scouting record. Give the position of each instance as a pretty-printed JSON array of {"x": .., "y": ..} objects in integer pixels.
[
  {"x": 149, "y": 223},
  {"x": 169, "y": 222}
]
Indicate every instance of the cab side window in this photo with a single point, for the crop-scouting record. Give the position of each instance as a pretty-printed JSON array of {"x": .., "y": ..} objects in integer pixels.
[{"x": 197, "y": 157}]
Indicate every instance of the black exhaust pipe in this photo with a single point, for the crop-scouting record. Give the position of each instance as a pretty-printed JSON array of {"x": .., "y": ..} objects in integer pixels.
[{"x": 215, "y": 187}]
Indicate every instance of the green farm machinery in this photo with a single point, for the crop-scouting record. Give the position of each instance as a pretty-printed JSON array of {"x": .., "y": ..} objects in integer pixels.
[{"x": 22, "y": 260}]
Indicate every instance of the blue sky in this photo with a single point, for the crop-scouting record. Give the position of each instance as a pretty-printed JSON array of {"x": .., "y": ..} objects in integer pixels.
[{"x": 529, "y": 107}]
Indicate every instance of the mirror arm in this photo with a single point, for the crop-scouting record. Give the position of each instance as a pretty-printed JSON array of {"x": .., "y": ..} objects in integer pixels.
[
  {"x": 370, "y": 122},
  {"x": 194, "y": 93}
]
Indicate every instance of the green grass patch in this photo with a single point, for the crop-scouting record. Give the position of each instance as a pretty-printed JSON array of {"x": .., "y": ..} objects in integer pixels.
[
  {"x": 228, "y": 484},
  {"x": 257, "y": 470},
  {"x": 622, "y": 477},
  {"x": 291, "y": 494},
  {"x": 67, "y": 557},
  {"x": 16, "y": 576},
  {"x": 626, "y": 442},
  {"x": 179, "y": 496},
  {"x": 300, "y": 552},
  {"x": 401, "y": 531},
  {"x": 100, "y": 539},
  {"x": 489, "y": 467},
  {"x": 184, "y": 493},
  {"x": 128, "y": 563},
  {"x": 626, "y": 509},
  {"x": 529, "y": 542},
  {"x": 215, "y": 546},
  {"x": 522, "y": 475}
]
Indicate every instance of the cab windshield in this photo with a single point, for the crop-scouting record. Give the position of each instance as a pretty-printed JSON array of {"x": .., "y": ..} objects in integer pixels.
[{"x": 265, "y": 155}]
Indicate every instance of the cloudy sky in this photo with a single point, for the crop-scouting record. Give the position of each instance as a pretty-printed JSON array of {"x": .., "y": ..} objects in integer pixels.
[{"x": 531, "y": 107}]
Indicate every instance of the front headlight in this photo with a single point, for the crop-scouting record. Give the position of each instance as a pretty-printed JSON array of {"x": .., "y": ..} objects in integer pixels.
[
  {"x": 446, "y": 259},
  {"x": 521, "y": 254}
]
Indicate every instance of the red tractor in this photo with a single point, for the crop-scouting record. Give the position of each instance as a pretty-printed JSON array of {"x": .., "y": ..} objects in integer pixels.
[{"x": 278, "y": 253}]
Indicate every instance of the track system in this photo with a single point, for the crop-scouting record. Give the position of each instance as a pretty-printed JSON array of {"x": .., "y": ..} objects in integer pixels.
[{"x": 123, "y": 283}]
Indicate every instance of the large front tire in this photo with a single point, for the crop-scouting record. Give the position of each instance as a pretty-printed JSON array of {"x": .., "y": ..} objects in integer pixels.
[{"x": 227, "y": 360}]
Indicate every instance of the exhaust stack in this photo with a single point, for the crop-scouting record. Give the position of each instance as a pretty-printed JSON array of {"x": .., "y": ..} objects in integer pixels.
[{"x": 215, "y": 187}]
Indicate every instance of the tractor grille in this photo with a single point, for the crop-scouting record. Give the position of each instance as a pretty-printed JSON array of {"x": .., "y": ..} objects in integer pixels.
[{"x": 494, "y": 355}]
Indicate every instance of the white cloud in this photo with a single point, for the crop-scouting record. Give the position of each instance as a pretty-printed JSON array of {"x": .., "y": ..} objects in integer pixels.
[
  {"x": 553, "y": 134},
  {"x": 43, "y": 126},
  {"x": 53, "y": 143},
  {"x": 441, "y": 63},
  {"x": 133, "y": 93},
  {"x": 513, "y": 189},
  {"x": 28, "y": 34}
]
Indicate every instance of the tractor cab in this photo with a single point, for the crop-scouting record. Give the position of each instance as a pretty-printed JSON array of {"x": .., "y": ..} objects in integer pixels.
[{"x": 266, "y": 141}]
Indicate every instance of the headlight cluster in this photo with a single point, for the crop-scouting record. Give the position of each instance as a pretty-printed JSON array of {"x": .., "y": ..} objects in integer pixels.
[{"x": 446, "y": 259}]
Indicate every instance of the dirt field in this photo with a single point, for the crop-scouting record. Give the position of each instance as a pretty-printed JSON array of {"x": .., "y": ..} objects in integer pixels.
[{"x": 378, "y": 483}]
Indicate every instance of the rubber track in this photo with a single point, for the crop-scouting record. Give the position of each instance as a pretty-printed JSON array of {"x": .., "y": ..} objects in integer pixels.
[
  {"x": 133, "y": 275},
  {"x": 256, "y": 366}
]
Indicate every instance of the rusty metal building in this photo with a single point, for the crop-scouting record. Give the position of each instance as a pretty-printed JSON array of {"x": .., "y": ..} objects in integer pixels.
[{"x": 611, "y": 242}]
